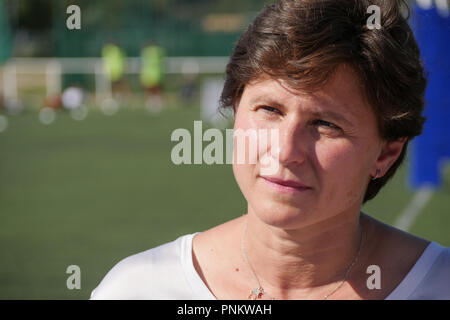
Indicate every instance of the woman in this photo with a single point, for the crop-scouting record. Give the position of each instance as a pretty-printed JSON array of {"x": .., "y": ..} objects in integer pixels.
[{"x": 345, "y": 101}]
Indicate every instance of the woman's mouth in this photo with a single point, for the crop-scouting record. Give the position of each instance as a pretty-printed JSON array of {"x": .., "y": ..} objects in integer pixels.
[{"x": 285, "y": 186}]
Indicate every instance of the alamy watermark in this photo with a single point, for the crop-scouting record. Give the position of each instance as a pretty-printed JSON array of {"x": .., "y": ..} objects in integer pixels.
[
  {"x": 241, "y": 147},
  {"x": 74, "y": 280},
  {"x": 374, "y": 21},
  {"x": 74, "y": 20},
  {"x": 374, "y": 280}
]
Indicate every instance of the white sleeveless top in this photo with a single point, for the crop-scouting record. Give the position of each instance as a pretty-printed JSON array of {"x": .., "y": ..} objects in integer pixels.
[{"x": 167, "y": 273}]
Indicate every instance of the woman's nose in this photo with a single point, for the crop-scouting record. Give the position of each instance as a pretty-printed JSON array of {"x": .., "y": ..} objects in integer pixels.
[{"x": 292, "y": 144}]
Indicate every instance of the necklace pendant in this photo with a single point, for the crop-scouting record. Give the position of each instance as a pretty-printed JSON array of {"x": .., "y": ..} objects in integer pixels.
[{"x": 256, "y": 293}]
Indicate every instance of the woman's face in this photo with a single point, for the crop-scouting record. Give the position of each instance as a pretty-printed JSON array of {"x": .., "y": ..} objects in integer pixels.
[{"x": 328, "y": 148}]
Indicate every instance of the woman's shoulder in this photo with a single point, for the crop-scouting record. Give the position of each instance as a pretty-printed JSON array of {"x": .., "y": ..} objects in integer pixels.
[
  {"x": 416, "y": 268},
  {"x": 429, "y": 278},
  {"x": 156, "y": 273},
  {"x": 389, "y": 238}
]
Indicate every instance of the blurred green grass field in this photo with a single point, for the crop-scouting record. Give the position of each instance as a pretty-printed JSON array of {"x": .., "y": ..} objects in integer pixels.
[{"x": 92, "y": 192}]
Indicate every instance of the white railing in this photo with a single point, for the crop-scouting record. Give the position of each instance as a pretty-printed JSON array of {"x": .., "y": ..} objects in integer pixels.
[{"x": 54, "y": 68}]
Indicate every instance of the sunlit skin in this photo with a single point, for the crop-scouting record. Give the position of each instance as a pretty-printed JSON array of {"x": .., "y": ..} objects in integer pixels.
[
  {"x": 333, "y": 157},
  {"x": 301, "y": 241}
]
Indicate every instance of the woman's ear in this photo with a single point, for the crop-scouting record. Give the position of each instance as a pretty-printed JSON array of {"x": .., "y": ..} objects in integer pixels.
[{"x": 390, "y": 151}]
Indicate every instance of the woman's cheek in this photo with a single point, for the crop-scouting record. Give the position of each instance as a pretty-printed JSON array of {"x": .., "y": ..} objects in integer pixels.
[
  {"x": 343, "y": 172},
  {"x": 336, "y": 163},
  {"x": 242, "y": 158},
  {"x": 253, "y": 140}
]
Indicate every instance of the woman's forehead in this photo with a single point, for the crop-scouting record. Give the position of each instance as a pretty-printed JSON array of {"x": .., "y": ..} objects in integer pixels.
[{"x": 341, "y": 92}]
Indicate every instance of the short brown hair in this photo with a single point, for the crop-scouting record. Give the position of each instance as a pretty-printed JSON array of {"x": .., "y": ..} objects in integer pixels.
[{"x": 304, "y": 41}]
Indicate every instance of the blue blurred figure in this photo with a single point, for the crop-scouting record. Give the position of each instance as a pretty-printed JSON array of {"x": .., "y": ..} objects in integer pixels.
[{"x": 431, "y": 25}]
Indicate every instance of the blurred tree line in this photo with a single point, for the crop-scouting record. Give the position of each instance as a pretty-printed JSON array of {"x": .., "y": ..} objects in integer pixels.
[
  {"x": 38, "y": 27},
  {"x": 183, "y": 27}
]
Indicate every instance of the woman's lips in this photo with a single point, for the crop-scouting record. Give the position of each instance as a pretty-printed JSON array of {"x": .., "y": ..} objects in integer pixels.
[{"x": 285, "y": 186}]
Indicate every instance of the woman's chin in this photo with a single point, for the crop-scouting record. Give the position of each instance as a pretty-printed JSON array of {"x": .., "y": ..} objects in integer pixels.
[{"x": 284, "y": 217}]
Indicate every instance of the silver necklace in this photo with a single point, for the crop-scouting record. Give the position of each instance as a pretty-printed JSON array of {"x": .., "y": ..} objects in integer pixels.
[{"x": 258, "y": 292}]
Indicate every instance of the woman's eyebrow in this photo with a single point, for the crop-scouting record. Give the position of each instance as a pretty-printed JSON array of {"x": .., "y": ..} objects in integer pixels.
[
  {"x": 266, "y": 99},
  {"x": 329, "y": 114}
]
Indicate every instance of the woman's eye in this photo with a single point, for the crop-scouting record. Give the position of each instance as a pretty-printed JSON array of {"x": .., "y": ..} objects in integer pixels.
[
  {"x": 270, "y": 109},
  {"x": 327, "y": 124}
]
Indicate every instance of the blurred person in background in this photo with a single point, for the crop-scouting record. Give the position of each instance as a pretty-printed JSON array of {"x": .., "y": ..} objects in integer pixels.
[
  {"x": 151, "y": 76},
  {"x": 189, "y": 89},
  {"x": 113, "y": 57},
  {"x": 346, "y": 100}
]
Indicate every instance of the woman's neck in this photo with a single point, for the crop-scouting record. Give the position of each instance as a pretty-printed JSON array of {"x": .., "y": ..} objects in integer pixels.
[{"x": 311, "y": 258}]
